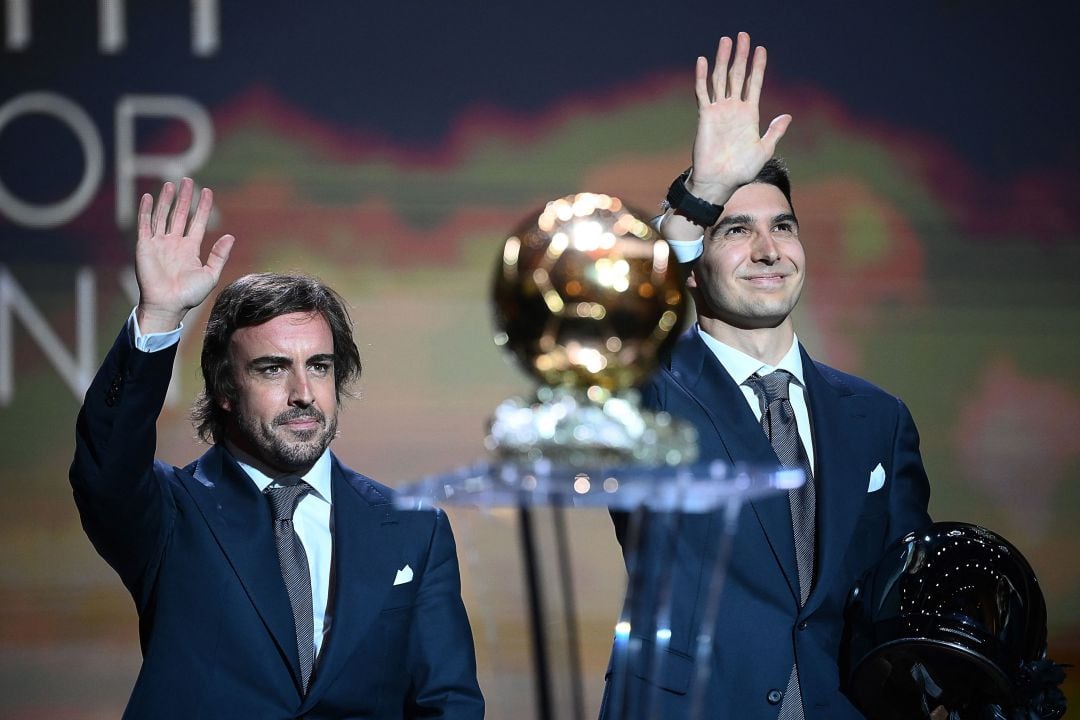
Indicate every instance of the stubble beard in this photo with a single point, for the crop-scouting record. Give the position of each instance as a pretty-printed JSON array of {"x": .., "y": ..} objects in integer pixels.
[{"x": 285, "y": 449}]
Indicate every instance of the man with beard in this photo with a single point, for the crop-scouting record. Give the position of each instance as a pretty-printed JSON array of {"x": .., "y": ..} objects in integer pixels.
[
  {"x": 271, "y": 581},
  {"x": 742, "y": 378}
]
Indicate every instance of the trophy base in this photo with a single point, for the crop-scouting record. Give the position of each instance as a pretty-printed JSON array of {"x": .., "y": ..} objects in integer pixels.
[{"x": 596, "y": 427}]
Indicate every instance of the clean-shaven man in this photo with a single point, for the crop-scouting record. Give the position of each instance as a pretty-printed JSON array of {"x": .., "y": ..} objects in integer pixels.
[{"x": 755, "y": 396}]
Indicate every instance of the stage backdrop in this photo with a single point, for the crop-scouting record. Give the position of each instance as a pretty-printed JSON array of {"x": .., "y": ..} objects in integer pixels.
[{"x": 390, "y": 147}]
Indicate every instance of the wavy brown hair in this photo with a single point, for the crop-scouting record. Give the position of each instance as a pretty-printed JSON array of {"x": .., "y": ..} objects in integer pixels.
[{"x": 253, "y": 300}]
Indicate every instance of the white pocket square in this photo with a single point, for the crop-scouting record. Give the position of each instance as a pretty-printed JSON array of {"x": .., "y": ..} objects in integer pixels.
[
  {"x": 877, "y": 479},
  {"x": 404, "y": 575}
]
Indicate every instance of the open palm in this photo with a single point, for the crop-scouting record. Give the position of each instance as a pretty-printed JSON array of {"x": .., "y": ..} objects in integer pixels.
[
  {"x": 169, "y": 268},
  {"x": 728, "y": 148}
]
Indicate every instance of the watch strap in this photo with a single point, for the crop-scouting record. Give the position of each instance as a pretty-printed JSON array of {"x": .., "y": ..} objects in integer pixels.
[{"x": 698, "y": 211}]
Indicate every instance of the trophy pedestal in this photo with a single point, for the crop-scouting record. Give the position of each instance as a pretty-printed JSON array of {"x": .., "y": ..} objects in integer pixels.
[{"x": 663, "y": 497}]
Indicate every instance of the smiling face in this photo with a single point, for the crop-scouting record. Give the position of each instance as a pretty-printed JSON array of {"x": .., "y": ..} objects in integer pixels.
[
  {"x": 285, "y": 414},
  {"x": 750, "y": 274}
]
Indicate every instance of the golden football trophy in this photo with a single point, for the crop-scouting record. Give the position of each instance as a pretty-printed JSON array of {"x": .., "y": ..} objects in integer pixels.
[{"x": 585, "y": 295}]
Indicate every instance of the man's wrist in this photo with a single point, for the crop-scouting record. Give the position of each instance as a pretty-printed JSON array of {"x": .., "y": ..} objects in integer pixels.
[
  {"x": 717, "y": 193},
  {"x": 156, "y": 320},
  {"x": 151, "y": 342},
  {"x": 690, "y": 206}
]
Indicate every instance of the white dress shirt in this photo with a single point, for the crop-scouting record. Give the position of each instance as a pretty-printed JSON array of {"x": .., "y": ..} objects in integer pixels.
[
  {"x": 741, "y": 366},
  {"x": 311, "y": 519}
]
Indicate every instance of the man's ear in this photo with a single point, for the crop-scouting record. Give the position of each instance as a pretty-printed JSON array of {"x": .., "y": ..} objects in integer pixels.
[
  {"x": 691, "y": 279},
  {"x": 224, "y": 404}
]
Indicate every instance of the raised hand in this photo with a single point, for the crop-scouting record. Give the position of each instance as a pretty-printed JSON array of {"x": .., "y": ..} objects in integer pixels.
[
  {"x": 168, "y": 257},
  {"x": 729, "y": 150}
]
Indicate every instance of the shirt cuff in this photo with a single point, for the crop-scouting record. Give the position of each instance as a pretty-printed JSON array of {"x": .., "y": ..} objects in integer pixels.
[
  {"x": 151, "y": 342},
  {"x": 685, "y": 251}
]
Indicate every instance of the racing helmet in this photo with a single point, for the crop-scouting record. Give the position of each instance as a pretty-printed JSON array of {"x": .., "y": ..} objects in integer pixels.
[{"x": 951, "y": 617}]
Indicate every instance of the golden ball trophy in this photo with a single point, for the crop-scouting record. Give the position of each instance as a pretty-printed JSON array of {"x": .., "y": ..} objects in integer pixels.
[{"x": 585, "y": 295}]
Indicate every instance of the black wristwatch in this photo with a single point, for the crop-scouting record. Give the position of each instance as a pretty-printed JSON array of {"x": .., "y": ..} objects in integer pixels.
[{"x": 698, "y": 211}]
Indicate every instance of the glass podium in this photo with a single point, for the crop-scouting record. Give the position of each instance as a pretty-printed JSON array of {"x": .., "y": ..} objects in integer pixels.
[{"x": 650, "y": 507}]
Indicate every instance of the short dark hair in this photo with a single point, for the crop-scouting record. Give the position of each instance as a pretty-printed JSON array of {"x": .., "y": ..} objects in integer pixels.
[
  {"x": 775, "y": 173},
  {"x": 253, "y": 300}
]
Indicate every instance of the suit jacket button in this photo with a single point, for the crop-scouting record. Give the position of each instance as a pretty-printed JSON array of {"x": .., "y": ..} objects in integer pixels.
[
  {"x": 113, "y": 393},
  {"x": 803, "y": 624},
  {"x": 774, "y": 697}
]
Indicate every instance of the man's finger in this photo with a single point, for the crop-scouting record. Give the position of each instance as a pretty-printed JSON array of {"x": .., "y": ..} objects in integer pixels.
[
  {"x": 757, "y": 75},
  {"x": 701, "y": 82},
  {"x": 720, "y": 69},
  {"x": 146, "y": 207},
  {"x": 738, "y": 67},
  {"x": 161, "y": 210},
  {"x": 183, "y": 207},
  {"x": 202, "y": 214},
  {"x": 219, "y": 255},
  {"x": 776, "y": 130}
]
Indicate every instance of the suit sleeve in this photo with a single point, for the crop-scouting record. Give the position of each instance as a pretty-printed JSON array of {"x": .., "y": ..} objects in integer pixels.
[
  {"x": 124, "y": 507},
  {"x": 910, "y": 493},
  {"x": 442, "y": 658},
  {"x": 654, "y": 399}
]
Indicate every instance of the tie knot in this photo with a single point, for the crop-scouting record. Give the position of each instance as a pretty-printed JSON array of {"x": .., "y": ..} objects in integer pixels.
[
  {"x": 283, "y": 498},
  {"x": 773, "y": 386}
]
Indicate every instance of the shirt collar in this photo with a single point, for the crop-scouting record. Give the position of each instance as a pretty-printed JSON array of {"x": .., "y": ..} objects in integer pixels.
[
  {"x": 318, "y": 477},
  {"x": 741, "y": 366}
]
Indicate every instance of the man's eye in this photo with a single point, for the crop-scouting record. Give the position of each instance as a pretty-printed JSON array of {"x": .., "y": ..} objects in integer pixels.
[
  {"x": 785, "y": 227},
  {"x": 271, "y": 370},
  {"x": 735, "y": 230},
  {"x": 321, "y": 368}
]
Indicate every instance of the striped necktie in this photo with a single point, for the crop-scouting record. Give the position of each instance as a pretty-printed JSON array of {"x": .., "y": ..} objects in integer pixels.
[
  {"x": 294, "y": 569},
  {"x": 778, "y": 422}
]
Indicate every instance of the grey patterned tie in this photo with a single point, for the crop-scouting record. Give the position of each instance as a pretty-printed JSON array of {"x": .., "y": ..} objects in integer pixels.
[
  {"x": 778, "y": 422},
  {"x": 294, "y": 569}
]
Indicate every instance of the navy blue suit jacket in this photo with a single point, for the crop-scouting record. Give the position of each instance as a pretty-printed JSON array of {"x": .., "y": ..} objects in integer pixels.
[
  {"x": 195, "y": 548},
  {"x": 760, "y": 628}
]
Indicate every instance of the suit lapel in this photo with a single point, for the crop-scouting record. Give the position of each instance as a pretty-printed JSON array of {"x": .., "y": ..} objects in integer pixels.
[
  {"x": 239, "y": 517},
  {"x": 839, "y": 421},
  {"x": 366, "y": 550},
  {"x": 738, "y": 435}
]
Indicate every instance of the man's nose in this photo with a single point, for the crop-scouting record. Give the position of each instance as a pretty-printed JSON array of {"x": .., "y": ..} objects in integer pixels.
[
  {"x": 300, "y": 390},
  {"x": 765, "y": 248}
]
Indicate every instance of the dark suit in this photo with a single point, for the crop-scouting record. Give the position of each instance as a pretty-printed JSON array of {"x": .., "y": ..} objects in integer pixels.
[
  {"x": 195, "y": 548},
  {"x": 760, "y": 628}
]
